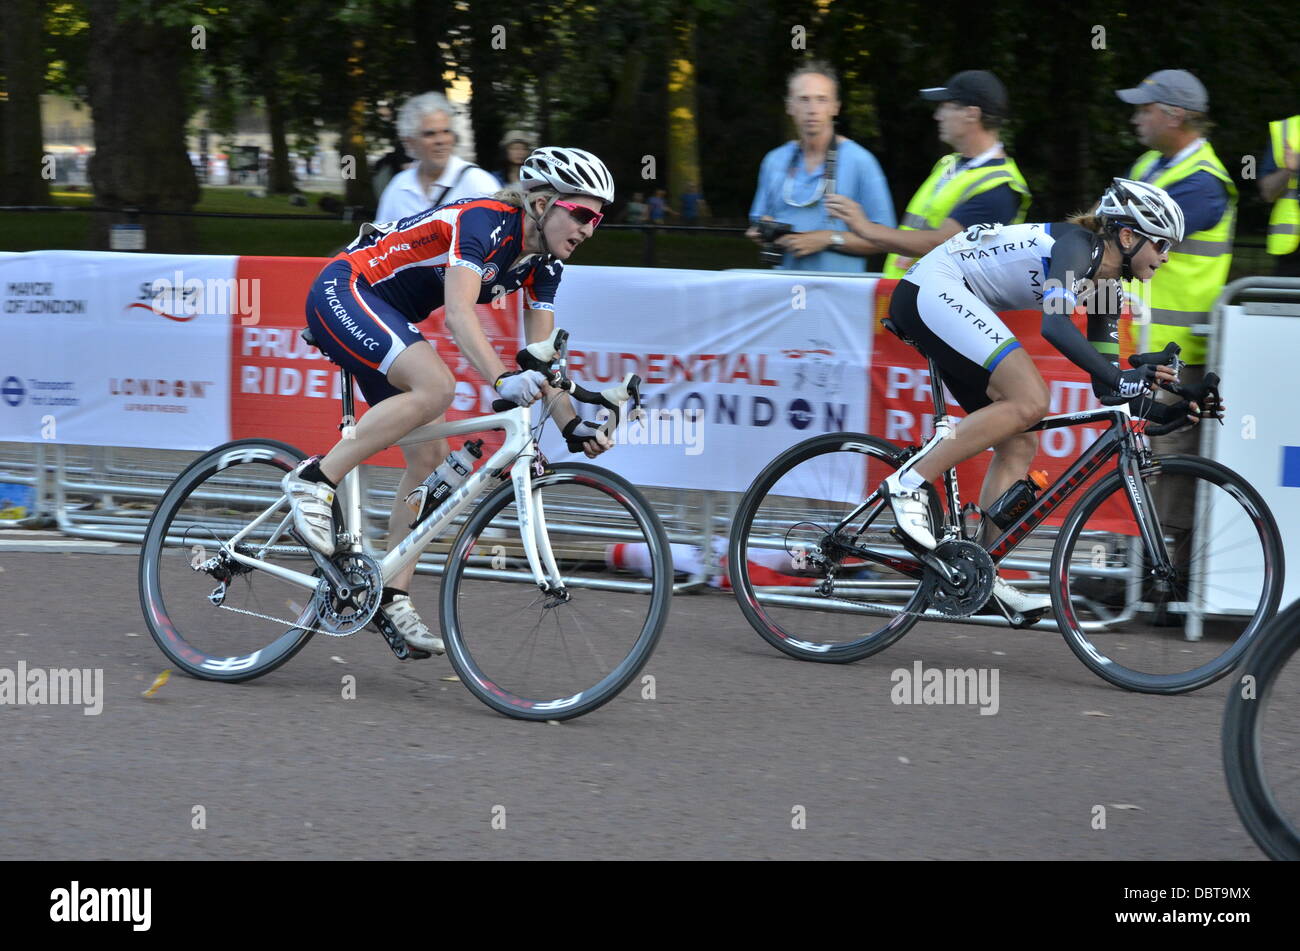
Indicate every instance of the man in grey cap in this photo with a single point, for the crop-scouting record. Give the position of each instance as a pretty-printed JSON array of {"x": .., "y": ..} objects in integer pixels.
[
  {"x": 977, "y": 183},
  {"x": 1170, "y": 121}
]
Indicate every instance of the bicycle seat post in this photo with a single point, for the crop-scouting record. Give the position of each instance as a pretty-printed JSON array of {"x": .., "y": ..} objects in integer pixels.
[{"x": 936, "y": 390}]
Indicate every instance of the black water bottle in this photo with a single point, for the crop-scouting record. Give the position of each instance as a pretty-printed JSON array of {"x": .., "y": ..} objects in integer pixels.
[{"x": 1015, "y": 501}]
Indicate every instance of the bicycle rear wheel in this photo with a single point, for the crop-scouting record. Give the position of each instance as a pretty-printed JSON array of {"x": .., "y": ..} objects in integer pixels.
[
  {"x": 790, "y": 558},
  {"x": 1131, "y": 628},
  {"x": 262, "y": 620},
  {"x": 533, "y": 656},
  {"x": 1261, "y": 739}
]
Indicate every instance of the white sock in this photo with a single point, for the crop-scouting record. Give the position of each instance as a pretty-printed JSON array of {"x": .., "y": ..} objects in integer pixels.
[{"x": 909, "y": 479}]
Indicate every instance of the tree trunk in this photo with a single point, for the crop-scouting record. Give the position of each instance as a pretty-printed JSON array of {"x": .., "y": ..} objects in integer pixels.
[
  {"x": 487, "y": 114},
  {"x": 357, "y": 191},
  {"x": 429, "y": 20},
  {"x": 22, "y": 60},
  {"x": 683, "y": 135},
  {"x": 280, "y": 175},
  {"x": 137, "y": 97}
]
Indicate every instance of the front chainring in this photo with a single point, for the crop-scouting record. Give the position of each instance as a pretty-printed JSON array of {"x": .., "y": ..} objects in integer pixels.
[
  {"x": 341, "y": 618},
  {"x": 975, "y": 585}
]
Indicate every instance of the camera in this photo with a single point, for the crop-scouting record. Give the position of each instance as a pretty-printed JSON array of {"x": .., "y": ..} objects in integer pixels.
[{"x": 770, "y": 253}]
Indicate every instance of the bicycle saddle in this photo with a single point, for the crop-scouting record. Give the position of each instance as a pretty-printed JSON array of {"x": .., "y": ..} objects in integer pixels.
[{"x": 305, "y": 333}]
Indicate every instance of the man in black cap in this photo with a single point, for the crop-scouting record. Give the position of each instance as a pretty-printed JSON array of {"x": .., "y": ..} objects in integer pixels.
[{"x": 978, "y": 183}]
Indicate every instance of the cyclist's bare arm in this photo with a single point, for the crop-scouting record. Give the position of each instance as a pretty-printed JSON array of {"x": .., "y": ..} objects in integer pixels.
[
  {"x": 463, "y": 287},
  {"x": 538, "y": 325}
]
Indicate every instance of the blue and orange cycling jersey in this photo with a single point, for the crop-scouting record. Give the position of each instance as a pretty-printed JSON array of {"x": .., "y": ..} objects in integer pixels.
[{"x": 405, "y": 262}]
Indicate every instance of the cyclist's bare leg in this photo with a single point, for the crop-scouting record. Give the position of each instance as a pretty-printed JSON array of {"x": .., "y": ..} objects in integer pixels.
[
  {"x": 1011, "y": 459},
  {"x": 1020, "y": 399},
  {"x": 428, "y": 387},
  {"x": 421, "y": 459}
]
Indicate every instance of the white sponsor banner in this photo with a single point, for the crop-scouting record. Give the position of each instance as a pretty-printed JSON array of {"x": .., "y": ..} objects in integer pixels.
[
  {"x": 116, "y": 349},
  {"x": 737, "y": 367},
  {"x": 1261, "y": 441}
]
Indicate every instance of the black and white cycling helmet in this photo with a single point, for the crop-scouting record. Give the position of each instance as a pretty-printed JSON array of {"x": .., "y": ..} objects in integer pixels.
[
  {"x": 1145, "y": 208},
  {"x": 568, "y": 171}
]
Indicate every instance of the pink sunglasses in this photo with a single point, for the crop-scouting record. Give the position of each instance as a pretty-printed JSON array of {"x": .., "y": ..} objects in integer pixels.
[{"x": 581, "y": 213}]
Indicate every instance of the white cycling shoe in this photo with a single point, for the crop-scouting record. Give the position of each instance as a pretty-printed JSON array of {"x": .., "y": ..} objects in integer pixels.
[
  {"x": 911, "y": 511},
  {"x": 413, "y": 630},
  {"x": 1017, "y": 600},
  {"x": 313, "y": 512}
]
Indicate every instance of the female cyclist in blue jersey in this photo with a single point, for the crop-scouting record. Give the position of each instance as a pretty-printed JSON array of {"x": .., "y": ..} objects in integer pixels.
[
  {"x": 363, "y": 307},
  {"x": 947, "y": 302}
]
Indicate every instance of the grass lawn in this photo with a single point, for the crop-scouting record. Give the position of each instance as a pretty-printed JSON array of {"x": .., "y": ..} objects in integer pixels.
[{"x": 33, "y": 231}]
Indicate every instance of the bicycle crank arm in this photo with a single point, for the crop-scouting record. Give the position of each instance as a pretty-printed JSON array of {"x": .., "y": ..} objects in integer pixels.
[
  {"x": 342, "y": 589},
  {"x": 924, "y": 555}
]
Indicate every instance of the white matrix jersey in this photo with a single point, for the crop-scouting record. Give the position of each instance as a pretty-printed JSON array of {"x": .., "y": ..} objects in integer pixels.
[{"x": 1004, "y": 265}]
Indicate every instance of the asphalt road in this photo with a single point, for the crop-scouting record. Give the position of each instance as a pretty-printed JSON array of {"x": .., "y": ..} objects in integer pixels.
[{"x": 739, "y": 745}]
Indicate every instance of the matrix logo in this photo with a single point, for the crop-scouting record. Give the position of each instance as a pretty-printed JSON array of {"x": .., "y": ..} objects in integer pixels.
[{"x": 12, "y": 390}]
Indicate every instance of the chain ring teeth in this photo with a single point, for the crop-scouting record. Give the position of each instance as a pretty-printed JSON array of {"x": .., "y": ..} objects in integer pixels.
[
  {"x": 363, "y": 572},
  {"x": 963, "y": 601}
]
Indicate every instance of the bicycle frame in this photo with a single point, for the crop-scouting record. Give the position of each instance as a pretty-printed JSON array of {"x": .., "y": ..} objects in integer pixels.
[
  {"x": 517, "y": 452},
  {"x": 1118, "y": 439}
]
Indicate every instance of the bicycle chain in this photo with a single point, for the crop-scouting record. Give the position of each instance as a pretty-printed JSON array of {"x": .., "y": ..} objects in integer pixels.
[{"x": 292, "y": 624}]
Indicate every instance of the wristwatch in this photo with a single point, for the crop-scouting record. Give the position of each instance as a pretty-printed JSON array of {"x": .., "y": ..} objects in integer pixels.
[{"x": 837, "y": 239}]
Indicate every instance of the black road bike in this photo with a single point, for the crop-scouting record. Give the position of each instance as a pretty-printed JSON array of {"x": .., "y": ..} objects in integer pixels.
[{"x": 1151, "y": 607}]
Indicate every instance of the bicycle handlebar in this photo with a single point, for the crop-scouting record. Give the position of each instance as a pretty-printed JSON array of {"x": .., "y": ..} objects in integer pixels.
[
  {"x": 549, "y": 358},
  {"x": 1209, "y": 404}
]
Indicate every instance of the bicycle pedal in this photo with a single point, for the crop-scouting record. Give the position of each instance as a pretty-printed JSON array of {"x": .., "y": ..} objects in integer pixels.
[{"x": 396, "y": 643}]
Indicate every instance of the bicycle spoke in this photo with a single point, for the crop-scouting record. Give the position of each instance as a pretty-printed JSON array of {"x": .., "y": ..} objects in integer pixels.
[{"x": 1176, "y": 634}]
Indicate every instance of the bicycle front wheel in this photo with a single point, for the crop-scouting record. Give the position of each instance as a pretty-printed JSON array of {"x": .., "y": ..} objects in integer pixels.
[
  {"x": 260, "y": 620},
  {"x": 538, "y": 656},
  {"x": 1261, "y": 739},
  {"x": 1170, "y": 635},
  {"x": 792, "y": 559}
]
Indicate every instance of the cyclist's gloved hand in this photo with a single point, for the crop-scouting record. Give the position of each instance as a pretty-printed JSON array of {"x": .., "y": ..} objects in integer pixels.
[
  {"x": 1134, "y": 382},
  {"x": 521, "y": 387},
  {"x": 578, "y": 432}
]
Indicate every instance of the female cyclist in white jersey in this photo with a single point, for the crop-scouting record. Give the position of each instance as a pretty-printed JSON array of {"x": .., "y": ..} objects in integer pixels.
[{"x": 947, "y": 302}]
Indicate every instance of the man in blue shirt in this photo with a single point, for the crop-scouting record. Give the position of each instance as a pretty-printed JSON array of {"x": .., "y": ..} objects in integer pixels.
[{"x": 795, "y": 177}]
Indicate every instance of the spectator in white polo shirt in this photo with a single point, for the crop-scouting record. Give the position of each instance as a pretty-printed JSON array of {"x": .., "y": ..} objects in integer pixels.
[{"x": 438, "y": 175}]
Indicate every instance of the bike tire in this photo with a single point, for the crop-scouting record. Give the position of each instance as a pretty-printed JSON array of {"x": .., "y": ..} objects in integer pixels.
[
  {"x": 163, "y": 602},
  {"x": 828, "y": 467},
  {"x": 1139, "y": 639},
  {"x": 486, "y": 610},
  {"x": 1276, "y": 835}
]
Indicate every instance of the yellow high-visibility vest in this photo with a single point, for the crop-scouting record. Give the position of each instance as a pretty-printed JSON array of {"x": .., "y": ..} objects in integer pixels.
[
  {"x": 1284, "y": 223},
  {"x": 935, "y": 198},
  {"x": 1185, "y": 287}
]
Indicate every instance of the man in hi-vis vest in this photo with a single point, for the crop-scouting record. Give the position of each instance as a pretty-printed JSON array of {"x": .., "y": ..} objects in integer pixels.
[
  {"x": 1170, "y": 120},
  {"x": 1169, "y": 117},
  {"x": 1279, "y": 175},
  {"x": 976, "y": 184}
]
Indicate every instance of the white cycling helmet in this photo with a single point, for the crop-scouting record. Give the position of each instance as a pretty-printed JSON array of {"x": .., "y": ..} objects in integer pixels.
[
  {"x": 568, "y": 171},
  {"x": 1145, "y": 208}
]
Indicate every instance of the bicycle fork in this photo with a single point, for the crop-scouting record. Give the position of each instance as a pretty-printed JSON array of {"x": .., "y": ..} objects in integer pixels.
[{"x": 532, "y": 531}]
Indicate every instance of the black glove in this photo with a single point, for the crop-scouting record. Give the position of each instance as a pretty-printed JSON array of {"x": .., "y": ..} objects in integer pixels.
[
  {"x": 1132, "y": 383},
  {"x": 577, "y": 431}
]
